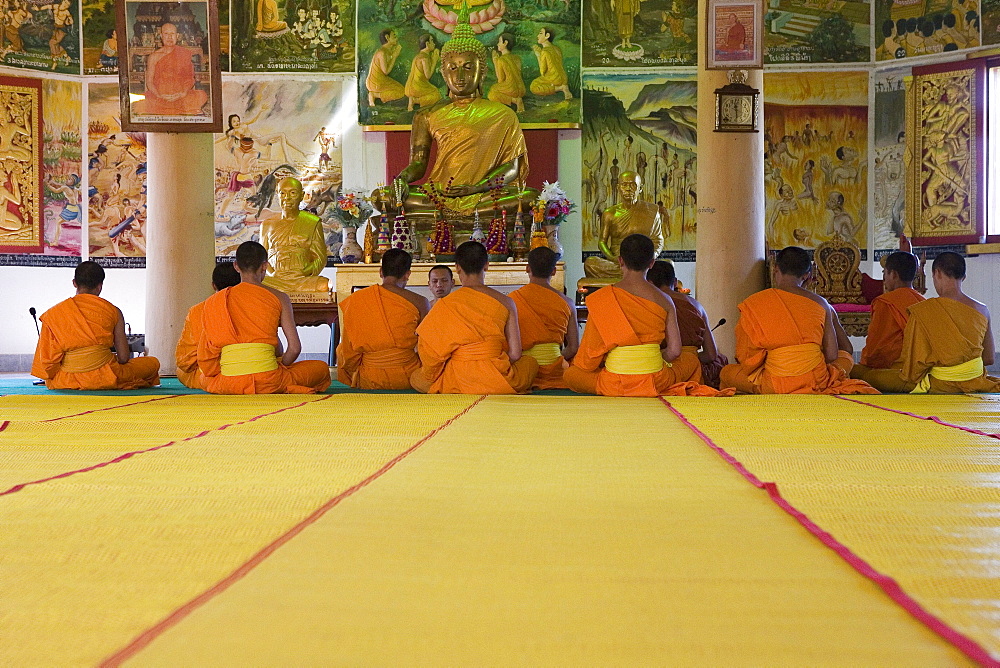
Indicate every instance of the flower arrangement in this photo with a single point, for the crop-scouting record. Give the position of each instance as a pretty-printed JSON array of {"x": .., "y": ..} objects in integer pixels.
[
  {"x": 553, "y": 203},
  {"x": 352, "y": 208}
]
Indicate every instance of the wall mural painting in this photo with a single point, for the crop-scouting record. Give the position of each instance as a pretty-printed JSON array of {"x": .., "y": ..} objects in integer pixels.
[
  {"x": 41, "y": 35},
  {"x": 62, "y": 149},
  {"x": 945, "y": 179},
  {"x": 633, "y": 33},
  {"x": 20, "y": 165},
  {"x": 646, "y": 124},
  {"x": 916, "y": 28},
  {"x": 116, "y": 168},
  {"x": 889, "y": 146},
  {"x": 292, "y": 36},
  {"x": 100, "y": 39},
  {"x": 534, "y": 61},
  {"x": 276, "y": 128},
  {"x": 817, "y": 31},
  {"x": 815, "y": 157}
]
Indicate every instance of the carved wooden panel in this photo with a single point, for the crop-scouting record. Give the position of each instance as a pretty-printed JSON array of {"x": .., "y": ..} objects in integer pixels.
[
  {"x": 21, "y": 223},
  {"x": 944, "y": 126}
]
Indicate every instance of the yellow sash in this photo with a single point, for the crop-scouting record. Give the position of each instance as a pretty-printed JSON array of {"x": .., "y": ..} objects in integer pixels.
[
  {"x": 544, "y": 353},
  {"x": 634, "y": 360},
  {"x": 797, "y": 360},
  {"x": 965, "y": 371},
  {"x": 89, "y": 358},
  {"x": 240, "y": 359}
]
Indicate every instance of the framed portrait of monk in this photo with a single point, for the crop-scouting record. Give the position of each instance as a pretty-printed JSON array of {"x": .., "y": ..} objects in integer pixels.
[
  {"x": 168, "y": 66},
  {"x": 735, "y": 35}
]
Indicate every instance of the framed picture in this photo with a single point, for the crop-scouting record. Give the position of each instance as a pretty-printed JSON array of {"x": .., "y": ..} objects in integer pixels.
[
  {"x": 168, "y": 66},
  {"x": 21, "y": 221},
  {"x": 736, "y": 35}
]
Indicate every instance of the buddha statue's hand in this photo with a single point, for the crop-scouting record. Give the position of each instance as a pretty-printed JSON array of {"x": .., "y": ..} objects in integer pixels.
[
  {"x": 397, "y": 191},
  {"x": 462, "y": 190}
]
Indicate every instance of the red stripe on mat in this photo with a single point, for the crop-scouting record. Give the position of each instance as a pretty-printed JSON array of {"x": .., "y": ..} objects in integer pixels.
[
  {"x": 129, "y": 455},
  {"x": 965, "y": 644},
  {"x": 143, "y": 640},
  {"x": 4, "y": 424},
  {"x": 111, "y": 408},
  {"x": 932, "y": 418}
]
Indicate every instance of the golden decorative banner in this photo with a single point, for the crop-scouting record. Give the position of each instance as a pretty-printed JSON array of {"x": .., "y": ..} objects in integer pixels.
[
  {"x": 944, "y": 189},
  {"x": 20, "y": 165}
]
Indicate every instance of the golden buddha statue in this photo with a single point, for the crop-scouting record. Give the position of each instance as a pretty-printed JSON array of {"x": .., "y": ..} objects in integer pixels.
[
  {"x": 296, "y": 247},
  {"x": 480, "y": 146},
  {"x": 630, "y": 216}
]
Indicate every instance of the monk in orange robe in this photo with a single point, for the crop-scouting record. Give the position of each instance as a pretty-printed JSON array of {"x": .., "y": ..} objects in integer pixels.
[
  {"x": 692, "y": 321},
  {"x": 170, "y": 82},
  {"x": 789, "y": 341},
  {"x": 186, "y": 353},
  {"x": 470, "y": 342},
  {"x": 948, "y": 340},
  {"x": 74, "y": 347},
  {"x": 631, "y": 346},
  {"x": 378, "y": 338},
  {"x": 440, "y": 281},
  {"x": 880, "y": 361},
  {"x": 547, "y": 320},
  {"x": 239, "y": 351}
]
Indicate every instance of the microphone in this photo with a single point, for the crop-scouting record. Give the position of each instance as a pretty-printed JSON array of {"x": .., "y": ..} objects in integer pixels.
[
  {"x": 719, "y": 324},
  {"x": 32, "y": 311}
]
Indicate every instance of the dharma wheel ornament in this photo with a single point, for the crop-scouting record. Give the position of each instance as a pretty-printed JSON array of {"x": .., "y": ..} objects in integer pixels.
[{"x": 736, "y": 104}]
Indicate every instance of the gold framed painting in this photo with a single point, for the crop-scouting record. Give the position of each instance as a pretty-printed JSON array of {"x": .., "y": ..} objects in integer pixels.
[
  {"x": 21, "y": 223},
  {"x": 168, "y": 66}
]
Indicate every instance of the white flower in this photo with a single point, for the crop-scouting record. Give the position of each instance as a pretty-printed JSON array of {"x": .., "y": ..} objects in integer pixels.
[{"x": 551, "y": 191}]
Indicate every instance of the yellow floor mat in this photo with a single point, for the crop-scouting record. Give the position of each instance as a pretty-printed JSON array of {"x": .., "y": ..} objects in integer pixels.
[
  {"x": 969, "y": 411},
  {"x": 915, "y": 499},
  {"x": 551, "y": 531},
  {"x": 89, "y": 561},
  {"x": 78, "y": 435}
]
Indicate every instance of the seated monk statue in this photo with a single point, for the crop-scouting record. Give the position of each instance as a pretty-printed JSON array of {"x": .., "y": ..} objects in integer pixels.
[
  {"x": 692, "y": 321},
  {"x": 631, "y": 346},
  {"x": 378, "y": 339},
  {"x": 789, "y": 340},
  {"x": 239, "y": 351},
  {"x": 480, "y": 146},
  {"x": 948, "y": 340},
  {"x": 74, "y": 347},
  {"x": 441, "y": 282},
  {"x": 631, "y": 215},
  {"x": 880, "y": 361},
  {"x": 186, "y": 355},
  {"x": 547, "y": 320},
  {"x": 296, "y": 246},
  {"x": 470, "y": 342}
]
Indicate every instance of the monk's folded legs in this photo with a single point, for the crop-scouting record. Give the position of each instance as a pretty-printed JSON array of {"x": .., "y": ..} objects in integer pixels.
[
  {"x": 313, "y": 374},
  {"x": 883, "y": 380},
  {"x": 419, "y": 382},
  {"x": 580, "y": 381},
  {"x": 524, "y": 370},
  {"x": 733, "y": 375},
  {"x": 138, "y": 372},
  {"x": 193, "y": 379}
]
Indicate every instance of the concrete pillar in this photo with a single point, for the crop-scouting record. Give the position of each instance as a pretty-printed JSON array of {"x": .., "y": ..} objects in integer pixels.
[
  {"x": 180, "y": 235},
  {"x": 730, "y": 242}
]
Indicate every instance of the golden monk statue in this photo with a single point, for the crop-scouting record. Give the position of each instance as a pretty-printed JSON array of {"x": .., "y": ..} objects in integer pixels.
[
  {"x": 630, "y": 216},
  {"x": 296, "y": 248},
  {"x": 480, "y": 146}
]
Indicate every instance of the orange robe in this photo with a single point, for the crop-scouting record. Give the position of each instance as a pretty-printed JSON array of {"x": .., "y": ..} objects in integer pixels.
[
  {"x": 463, "y": 348},
  {"x": 378, "y": 340},
  {"x": 692, "y": 326},
  {"x": 943, "y": 332},
  {"x": 880, "y": 359},
  {"x": 78, "y": 333},
  {"x": 173, "y": 74},
  {"x": 885, "y": 333},
  {"x": 248, "y": 313},
  {"x": 779, "y": 345},
  {"x": 619, "y": 318},
  {"x": 543, "y": 317},
  {"x": 186, "y": 354}
]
